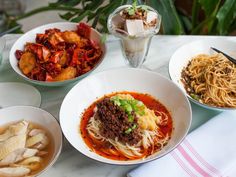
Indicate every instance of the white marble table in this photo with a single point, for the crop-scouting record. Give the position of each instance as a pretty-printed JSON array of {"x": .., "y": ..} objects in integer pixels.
[{"x": 71, "y": 163}]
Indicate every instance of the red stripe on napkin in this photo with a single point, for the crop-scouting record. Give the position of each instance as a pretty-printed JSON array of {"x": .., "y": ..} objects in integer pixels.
[
  {"x": 182, "y": 165},
  {"x": 201, "y": 160},
  {"x": 192, "y": 162}
]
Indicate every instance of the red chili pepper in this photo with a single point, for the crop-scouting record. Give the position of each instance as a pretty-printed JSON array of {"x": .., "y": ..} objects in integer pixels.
[
  {"x": 79, "y": 55},
  {"x": 56, "y": 57},
  {"x": 45, "y": 53},
  {"x": 75, "y": 60},
  {"x": 36, "y": 49},
  {"x": 53, "y": 69},
  {"x": 94, "y": 44},
  {"x": 18, "y": 54},
  {"x": 40, "y": 38},
  {"x": 48, "y": 77},
  {"x": 84, "y": 30}
]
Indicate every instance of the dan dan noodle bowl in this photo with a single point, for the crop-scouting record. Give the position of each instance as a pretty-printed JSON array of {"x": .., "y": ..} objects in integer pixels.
[
  {"x": 211, "y": 79},
  {"x": 126, "y": 126},
  {"x": 26, "y": 149}
]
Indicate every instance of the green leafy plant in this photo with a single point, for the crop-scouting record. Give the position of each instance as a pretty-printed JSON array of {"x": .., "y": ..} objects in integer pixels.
[
  {"x": 95, "y": 12},
  {"x": 219, "y": 17},
  {"x": 214, "y": 17}
]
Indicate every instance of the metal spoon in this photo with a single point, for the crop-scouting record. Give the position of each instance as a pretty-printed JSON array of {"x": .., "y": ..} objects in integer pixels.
[{"x": 227, "y": 56}]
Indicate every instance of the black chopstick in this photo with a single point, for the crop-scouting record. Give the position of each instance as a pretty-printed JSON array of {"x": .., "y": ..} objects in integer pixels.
[{"x": 227, "y": 56}]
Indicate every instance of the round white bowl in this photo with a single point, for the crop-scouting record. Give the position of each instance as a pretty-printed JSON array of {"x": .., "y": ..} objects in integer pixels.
[
  {"x": 184, "y": 54},
  {"x": 39, "y": 116},
  {"x": 30, "y": 37},
  {"x": 93, "y": 87}
]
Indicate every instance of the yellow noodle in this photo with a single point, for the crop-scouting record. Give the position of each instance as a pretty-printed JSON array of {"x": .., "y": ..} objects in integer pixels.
[
  {"x": 213, "y": 77},
  {"x": 149, "y": 138}
]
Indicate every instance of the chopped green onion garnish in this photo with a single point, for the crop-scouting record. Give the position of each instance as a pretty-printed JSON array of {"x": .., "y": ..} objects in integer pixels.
[
  {"x": 122, "y": 102},
  {"x": 128, "y": 130},
  {"x": 134, "y": 126},
  {"x": 117, "y": 103},
  {"x": 130, "y": 105},
  {"x": 128, "y": 108},
  {"x": 130, "y": 118},
  {"x": 141, "y": 113},
  {"x": 194, "y": 96}
]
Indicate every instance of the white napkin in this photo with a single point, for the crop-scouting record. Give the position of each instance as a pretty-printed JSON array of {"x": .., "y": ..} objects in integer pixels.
[{"x": 209, "y": 151}]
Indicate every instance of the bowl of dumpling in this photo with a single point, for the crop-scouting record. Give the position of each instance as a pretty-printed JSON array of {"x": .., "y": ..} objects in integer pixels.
[
  {"x": 30, "y": 141},
  {"x": 57, "y": 54}
]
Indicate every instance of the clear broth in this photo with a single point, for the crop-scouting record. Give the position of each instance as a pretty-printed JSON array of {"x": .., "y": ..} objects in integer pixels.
[{"x": 46, "y": 159}]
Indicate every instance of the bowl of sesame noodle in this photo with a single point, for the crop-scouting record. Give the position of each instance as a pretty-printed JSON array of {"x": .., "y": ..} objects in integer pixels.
[{"x": 207, "y": 77}]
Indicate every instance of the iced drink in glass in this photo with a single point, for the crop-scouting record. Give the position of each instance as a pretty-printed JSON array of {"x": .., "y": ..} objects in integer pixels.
[{"x": 135, "y": 26}]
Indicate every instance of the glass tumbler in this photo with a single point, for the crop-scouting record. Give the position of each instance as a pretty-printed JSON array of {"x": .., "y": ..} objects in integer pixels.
[{"x": 134, "y": 47}]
